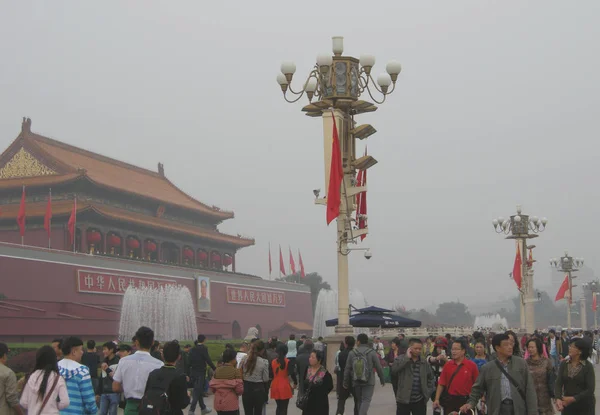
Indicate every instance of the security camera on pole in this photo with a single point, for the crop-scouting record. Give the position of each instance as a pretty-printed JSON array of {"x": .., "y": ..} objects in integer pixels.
[
  {"x": 567, "y": 265},
  {"x": 334, "y": 87},
  {"x": 521, "y": 227}
]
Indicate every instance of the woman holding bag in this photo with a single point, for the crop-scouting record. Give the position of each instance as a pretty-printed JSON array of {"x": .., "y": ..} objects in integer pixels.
[
  {"x": 45, "y": 391},
  {"x": 317, "y": 385}
]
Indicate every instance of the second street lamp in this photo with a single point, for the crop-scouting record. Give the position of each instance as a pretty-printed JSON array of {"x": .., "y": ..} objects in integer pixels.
[
  {"x": 567, "y": 264},
  {"x": 334, "y": 87},
  {"x": 521, "y": 227},
  {"x": 594, "y": 287}
]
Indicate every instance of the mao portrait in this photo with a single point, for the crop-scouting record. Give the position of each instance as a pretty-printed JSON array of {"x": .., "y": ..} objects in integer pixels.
[{"x": 203, "y": 294}]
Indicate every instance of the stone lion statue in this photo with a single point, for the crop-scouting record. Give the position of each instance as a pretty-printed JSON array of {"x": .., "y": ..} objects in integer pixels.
[{"x": 252, "y": 334}]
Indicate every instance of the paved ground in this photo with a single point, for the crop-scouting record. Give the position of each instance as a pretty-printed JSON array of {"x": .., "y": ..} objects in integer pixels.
[{"x": 383, "y": 402}]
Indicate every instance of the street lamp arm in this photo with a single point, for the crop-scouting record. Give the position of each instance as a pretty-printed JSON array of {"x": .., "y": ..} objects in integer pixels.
[{"x": 291, "y": 101}]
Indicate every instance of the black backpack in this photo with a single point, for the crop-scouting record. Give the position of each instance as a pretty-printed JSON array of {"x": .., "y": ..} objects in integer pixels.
[{"x": 156, "y": 398}]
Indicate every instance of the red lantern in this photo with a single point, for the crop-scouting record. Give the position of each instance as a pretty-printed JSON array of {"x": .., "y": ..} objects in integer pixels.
[
  {"x": 133, "y": 243},
  {"x": 188, "y": 254},
  {"x": 114, "y": 240},
  {"x": 150, "y": 246},
  {"x": 227, "y": 260},
  {"x": 93, "y": 237},
  {"x": 215, "y": 257},
  {"x": 202, "y": 256}
]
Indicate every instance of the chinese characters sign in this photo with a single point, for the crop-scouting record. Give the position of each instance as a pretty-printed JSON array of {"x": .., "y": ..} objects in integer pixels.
[
  {"x": 105, "y": 283},
  {"x": 254, "y": 296}
]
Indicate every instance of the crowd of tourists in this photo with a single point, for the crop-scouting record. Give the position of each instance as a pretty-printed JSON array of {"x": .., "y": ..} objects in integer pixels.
[{"x": 483, "y": 373}]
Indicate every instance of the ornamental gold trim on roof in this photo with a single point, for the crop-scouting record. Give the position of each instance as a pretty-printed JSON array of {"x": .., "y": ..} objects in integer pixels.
[{"x": 23, "y": 164}]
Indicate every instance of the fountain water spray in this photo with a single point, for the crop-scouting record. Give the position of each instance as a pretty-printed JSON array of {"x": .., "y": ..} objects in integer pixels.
[
  {"x": 493, "y": 322},
  {"x": 327, "y": 308},
  {"x": 168, "y": 310}
]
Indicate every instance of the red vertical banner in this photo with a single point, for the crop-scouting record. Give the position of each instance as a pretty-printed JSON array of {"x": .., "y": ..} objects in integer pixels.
[
  {"x": 302, "y": 273},
  {"x": 292, "y": 263},
  {"x": 72, "y": 223},
  {"x": 281, "y": 265},
  {"x": 518, "y": 266},
  {"x": 336, "y": 176}
]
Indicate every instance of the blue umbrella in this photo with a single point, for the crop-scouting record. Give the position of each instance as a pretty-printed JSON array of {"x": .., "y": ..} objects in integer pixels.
[{"x": 376, "y": 317}]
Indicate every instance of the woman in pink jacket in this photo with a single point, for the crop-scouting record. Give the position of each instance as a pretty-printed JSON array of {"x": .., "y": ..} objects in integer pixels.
[
  {"x": 227, "y": 385},
  {"x": 45, "y": 391}
]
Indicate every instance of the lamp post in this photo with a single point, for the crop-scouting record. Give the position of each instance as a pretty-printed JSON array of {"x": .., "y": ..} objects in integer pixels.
[
  {"x": 334, "y": 88},
  {"x": 567, "y": 264},
  {"x": 594, "y": 287},
  {"x": 521, "y": 227}
]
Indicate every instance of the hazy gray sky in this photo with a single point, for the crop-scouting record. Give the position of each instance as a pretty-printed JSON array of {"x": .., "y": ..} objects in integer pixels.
[{"x": 497, "y": 104}]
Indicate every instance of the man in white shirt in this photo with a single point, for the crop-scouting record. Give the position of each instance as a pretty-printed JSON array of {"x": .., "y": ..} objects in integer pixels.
[
  {"x": 242, "y": 353},
  {"x": 132, "y": 373}
]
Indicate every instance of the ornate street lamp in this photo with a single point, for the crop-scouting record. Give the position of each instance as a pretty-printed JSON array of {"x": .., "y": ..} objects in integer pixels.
[
  {"x": 567, "y": 265},
  {"x": 522, "y": 227},
  {"x": 334, "y": 88}
]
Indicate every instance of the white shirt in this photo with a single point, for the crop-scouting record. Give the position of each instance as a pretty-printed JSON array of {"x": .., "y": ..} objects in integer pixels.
[
  {"x": 238, "y": 358},
  {"x": 132, "y": 372}
]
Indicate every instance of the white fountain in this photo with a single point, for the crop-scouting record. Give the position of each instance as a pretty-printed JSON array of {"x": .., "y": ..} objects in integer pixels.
[
  {"x": 168, "y": 310},
  {"x": 492, "y": 322},
  {"x": 327, "y": 308}
]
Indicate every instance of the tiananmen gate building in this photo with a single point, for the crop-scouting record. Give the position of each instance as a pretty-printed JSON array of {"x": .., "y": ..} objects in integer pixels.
[{"x": 115, "y": 225}]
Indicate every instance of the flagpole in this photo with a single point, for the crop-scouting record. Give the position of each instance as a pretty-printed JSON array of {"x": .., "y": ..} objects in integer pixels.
[
  {"x": 23, "y": 236},
  {"x": 75, "y": 223},
  {"x": 50, "y": 222}
]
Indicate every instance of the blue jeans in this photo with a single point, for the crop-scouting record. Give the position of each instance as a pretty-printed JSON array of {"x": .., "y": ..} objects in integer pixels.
[
  {"x": 109, "y": 404},
  {"x": 555, "y": 360}
]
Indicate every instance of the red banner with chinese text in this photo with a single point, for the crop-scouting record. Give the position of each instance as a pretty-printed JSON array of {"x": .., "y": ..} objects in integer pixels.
[
  {"x": 254, "y": 296},
  {"x": 108, "y": 283}
]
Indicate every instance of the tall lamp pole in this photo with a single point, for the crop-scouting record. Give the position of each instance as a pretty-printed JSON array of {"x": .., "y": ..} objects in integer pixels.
[
  {"x": 521, "y": 227},
  {"x": 334, "y": 88},
  {"x": 568, "y": 265},
  {"x": 594, "y": 287}
]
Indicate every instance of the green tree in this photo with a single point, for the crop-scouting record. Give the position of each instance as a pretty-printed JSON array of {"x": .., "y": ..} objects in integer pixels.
[
  {"x": 313, "y": 280},
  {"x": 454, "y": 313}
]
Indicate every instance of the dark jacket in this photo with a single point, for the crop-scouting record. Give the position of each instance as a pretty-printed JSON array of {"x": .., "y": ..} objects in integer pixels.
[
  {"x": 403, "y": 369},
  {"x": 177, "y": 390},
  {"x": 581, "y": 386},
  {"x": 199, "y": 359},
  {"x": 489, "y": 383},
  {"x": 106, "y": 384},
  {"x": 91, "y": 360}
]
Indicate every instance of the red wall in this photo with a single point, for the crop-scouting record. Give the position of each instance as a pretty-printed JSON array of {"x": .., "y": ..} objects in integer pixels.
[{"x": 52, "y": 287}]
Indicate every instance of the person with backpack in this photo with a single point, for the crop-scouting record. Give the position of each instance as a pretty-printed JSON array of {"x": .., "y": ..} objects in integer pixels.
[
  {"x": 132, "y": 371},
  {"x": 359, "y": 370},
  {"x": 166, "y": 389}
]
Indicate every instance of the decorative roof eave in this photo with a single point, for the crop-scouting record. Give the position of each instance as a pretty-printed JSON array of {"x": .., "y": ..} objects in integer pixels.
[
  {"x": 40, "y": 181},
  {"x": 31, "y": 142},
  {"x": 221, "y": 215},
  {"x": 63, "y": 208}
]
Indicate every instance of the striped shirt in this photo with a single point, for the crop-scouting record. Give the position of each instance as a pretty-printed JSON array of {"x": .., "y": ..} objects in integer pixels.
[
  {"x": 79, "y": 387},
  {"x": 505, "y": 392},
  {"x": 416, "y": 392}
]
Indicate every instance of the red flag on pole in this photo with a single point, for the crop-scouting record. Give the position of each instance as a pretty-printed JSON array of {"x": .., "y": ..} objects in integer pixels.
[
  {"x": 361, "y": 201},
  {"x": 21, "y": 215},
  {"x": 72, "y": 222},
  {"x": 302, "y": 273},
  {"x": 48, "y": 216},
  {"x": 270, "y": 266},
  {"x": 281, "y": 266},
  {"x": 594, "y": 302},
  {"x": 518, "y": 267},
  {"x": 562, "y": 291},
  {"x": 336, "y": 175},
  {"x": 292, "y": 263}
]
